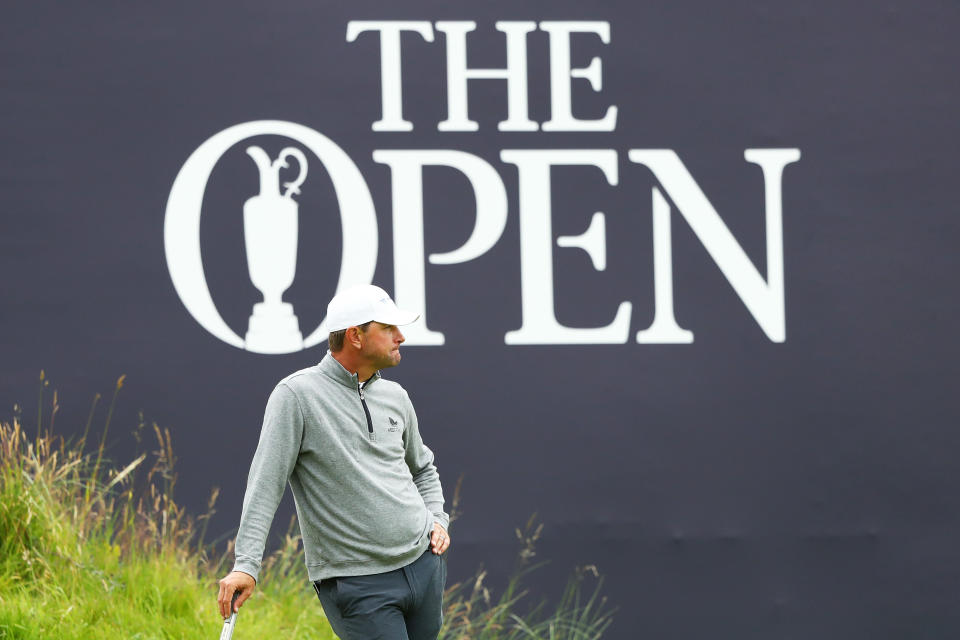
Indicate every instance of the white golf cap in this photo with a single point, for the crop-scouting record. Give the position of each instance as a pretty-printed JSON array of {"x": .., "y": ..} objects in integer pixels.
[{"x": 363, "y": 303}]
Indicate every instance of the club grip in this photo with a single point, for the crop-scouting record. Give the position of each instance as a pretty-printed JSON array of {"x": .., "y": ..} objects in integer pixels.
[{"x": 230, "y": 622}]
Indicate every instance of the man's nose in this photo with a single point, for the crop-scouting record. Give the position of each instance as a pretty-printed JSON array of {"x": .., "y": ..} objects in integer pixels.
[{"x": 400, "y": 337}]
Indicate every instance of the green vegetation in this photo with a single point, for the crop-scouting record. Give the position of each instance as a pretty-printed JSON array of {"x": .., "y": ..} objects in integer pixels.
[
  {"x": 471, "y": 613},
  {"x": 91, "y": 551}
]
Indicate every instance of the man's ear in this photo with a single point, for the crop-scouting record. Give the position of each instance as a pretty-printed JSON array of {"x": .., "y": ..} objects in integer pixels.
[{"x": 353, "y": 337}]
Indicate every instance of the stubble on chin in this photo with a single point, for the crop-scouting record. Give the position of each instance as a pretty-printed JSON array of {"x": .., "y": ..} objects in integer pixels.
[{"x": 391, "y": 360}]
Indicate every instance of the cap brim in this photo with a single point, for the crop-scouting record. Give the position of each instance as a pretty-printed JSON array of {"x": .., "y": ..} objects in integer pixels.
[{"x": 397, "y": 317}]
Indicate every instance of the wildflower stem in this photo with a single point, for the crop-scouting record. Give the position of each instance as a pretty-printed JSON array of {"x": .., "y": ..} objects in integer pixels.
[{"x": 103, "y": 439}]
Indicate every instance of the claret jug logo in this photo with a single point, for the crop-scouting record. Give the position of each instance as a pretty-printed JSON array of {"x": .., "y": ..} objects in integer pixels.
[
  {"x": 271, "y": 218},
  {"x": 270, "y": 226}
]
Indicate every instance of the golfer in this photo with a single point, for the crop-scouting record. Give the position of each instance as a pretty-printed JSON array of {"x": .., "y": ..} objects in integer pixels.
[{"x": 368, "y": 497}]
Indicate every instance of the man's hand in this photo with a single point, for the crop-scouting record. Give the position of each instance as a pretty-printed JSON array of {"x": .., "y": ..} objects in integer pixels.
[
  {"x": 439, "y": 539},
  {"x": 234, "y": 581}
]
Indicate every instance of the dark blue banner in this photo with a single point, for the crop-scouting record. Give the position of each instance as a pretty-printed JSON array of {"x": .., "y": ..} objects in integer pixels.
[{"x": 682, "y": 269}]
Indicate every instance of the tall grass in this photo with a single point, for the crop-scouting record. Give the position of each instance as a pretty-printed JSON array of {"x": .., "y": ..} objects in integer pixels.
[
  {"x": 471, "y": 612},
  {"x": 93, "y": 550}
]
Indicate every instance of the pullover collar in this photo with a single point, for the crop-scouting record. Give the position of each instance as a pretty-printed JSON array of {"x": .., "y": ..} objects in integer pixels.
[{"x": 331, "y": 368}]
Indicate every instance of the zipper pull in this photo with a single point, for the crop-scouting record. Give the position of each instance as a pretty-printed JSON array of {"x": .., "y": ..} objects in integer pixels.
[{"x": 360, "y": 391}]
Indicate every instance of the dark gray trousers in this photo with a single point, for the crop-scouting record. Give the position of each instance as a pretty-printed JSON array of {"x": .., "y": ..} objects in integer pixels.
[{"x": 404, "y": 604}]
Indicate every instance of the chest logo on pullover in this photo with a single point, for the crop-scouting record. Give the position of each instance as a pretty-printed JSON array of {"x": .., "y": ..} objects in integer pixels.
[{"x": 394, "y": 425}]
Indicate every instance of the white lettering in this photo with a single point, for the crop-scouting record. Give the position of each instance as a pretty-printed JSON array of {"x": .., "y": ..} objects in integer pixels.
[
  {"x": 515, "y": 74},
  {"x": 406, "y": 167},
  {"x": 664, "y": 329},
  {"x": 540, "y": 325},
  {"x": 763, "y": 298},
  {"x": 390, "y": 75},
  {"x": 561, "y": 109}
]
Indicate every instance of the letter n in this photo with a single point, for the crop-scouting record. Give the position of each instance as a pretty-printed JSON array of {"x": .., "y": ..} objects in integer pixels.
[{"x": 764, "y": 298}]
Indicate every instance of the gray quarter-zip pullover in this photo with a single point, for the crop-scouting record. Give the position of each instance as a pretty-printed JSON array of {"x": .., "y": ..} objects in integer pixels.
[{"x": 366, "y": 490}]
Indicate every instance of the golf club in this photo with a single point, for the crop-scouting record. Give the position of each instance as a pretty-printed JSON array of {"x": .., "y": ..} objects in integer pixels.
[{"x": 231, "y": 622}]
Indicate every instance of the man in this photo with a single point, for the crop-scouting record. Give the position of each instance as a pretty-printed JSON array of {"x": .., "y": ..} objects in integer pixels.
[{"x": 368, "y": 497}]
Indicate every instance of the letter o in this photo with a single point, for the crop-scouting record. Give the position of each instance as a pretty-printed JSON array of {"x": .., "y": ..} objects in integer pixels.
[{"x": 181, "y": 228}]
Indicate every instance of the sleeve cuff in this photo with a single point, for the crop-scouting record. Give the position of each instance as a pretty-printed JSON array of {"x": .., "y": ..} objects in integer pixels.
[
  {"x": 438, "y": 514},
  {"x": 248, "y": 568}
]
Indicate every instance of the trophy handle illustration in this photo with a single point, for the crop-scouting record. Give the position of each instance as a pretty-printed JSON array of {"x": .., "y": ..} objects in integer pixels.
[{"x": 270, "y": 226}]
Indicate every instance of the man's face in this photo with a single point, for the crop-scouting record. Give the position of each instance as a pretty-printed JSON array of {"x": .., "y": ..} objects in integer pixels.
[{"x": 381, "y": 345}]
